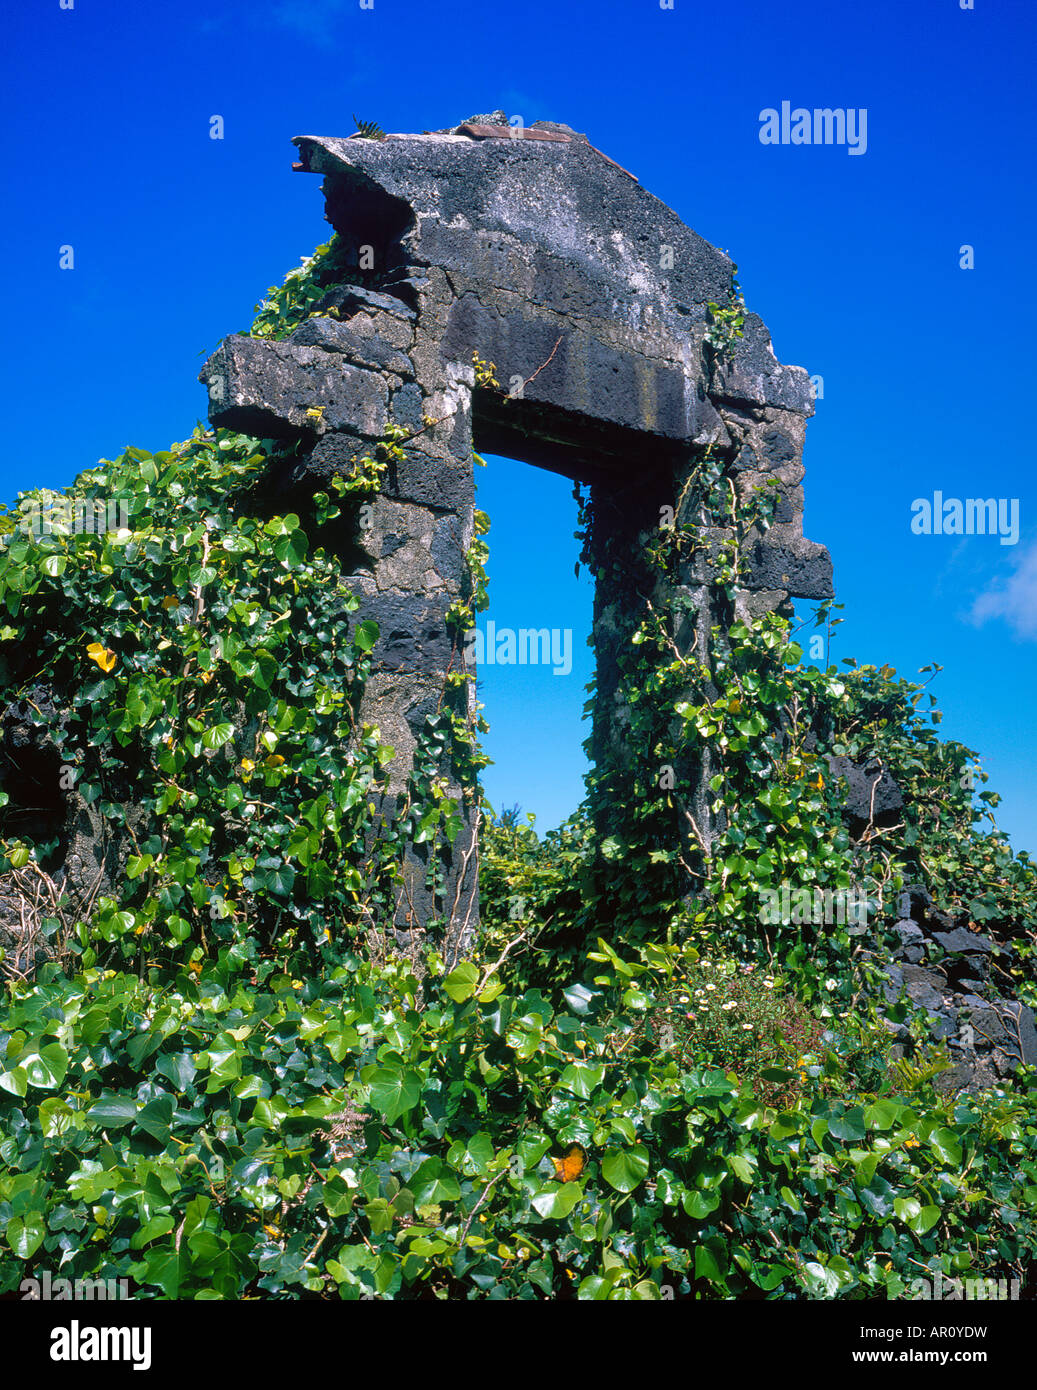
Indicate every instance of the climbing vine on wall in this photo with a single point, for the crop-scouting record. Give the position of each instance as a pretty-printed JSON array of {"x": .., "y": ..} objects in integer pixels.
[
  {"x": 214, "y": 669},
  {"x": 215, "y": 1091},
  {"x": 747, "y": 706},
  {"x": 210, "y": 662},
  {"x": 303, "y": 291}
]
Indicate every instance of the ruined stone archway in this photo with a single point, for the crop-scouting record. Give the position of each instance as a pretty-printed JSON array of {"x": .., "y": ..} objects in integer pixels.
[{"x": 590, "y": 297}]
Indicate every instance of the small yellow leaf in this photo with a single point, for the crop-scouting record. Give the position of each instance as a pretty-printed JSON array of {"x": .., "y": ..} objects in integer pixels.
[
  {"x": 169, "y": 602},
  {"x": 274, "y": 760},
  {"x": 105, "y": 659}
]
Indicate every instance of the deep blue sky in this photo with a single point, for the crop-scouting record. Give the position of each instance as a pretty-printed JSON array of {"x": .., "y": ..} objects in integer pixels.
[{"x": 852, "y": 262}]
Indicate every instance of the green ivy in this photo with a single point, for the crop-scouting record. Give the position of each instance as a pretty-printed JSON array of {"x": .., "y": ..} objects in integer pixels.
[
  {"x": 215, "y": 1090},
  {"x": 360, "y": 1135},
  {"x": 303, "y": 290}
]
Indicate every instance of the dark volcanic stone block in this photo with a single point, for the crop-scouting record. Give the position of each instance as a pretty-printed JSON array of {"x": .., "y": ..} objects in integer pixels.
[
  {"x": 871, "y": 792},
  {"x": 265, "y": 388},
  {"x": 962, "y": 940},
  {"x": 412, "y": 631},
  {"x": 803, "y": 569},
  {"x": 1008, "y": 1025},
  {"x": 756, "y": 377}
]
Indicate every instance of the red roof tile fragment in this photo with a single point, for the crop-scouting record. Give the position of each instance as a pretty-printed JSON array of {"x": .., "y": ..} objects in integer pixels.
[{"x": 504, "y": 132}]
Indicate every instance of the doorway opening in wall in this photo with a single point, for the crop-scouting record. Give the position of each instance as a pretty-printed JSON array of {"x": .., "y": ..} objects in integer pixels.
[{"x": 533, "y": 661}]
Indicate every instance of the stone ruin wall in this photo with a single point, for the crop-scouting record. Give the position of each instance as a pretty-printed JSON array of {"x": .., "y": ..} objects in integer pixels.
[{"x": 544, "y": 257}]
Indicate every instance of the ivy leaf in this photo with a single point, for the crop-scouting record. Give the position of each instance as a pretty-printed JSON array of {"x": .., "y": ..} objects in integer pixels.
[
  {"x": 16, "y": 1081},
  {"x": 161, "y": 1267},
  {"x": 699, "y": 1205},
  {"x": 366, "y": 635},
  {"x": 742, "y": 1167},
  {"x": 291, "y": 549},
  {"x": 435, "y": 1183},
  {"x": 267, "y": 669},
  {"x": 579, "y": 998},
  {"x": 217, "y": 736},
  {"x": 156, "y": 1118},
  {"x": 46, "y": 1069},
  {"x": 25, "y": 1234},
  {"x": 394, "y": 1092},
  {"x": 624, "y": 1169},
  {"x": 177, "y": 1067},
  {"x": 947, "y": 1146},
  {"x": 710, "y": 1260},
  {"x": 849, "y": 1126},
  {"x": 916, "y": 1217},
  {"x": 112, "y": 1111},
  {"x": 554, "y": 1203},
  {"x": 582, "y": 1079},
  {"x": 883, "y": 1115},
  {"x": 461, "y": 983}
]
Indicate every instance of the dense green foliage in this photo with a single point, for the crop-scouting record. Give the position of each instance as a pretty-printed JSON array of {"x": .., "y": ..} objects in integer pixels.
[
  {"x": 343, "y": 1136},
  {"x": 212, "y": 668},
  {"x": 219, "y": 1088}
]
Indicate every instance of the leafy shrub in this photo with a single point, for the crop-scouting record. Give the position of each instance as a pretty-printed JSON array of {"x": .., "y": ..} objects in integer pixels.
[
  {"x": 217, "y": 1093},
  {"x": 210, "y": 664},
  {"x": 534, "y": 896},
  {"x": 728, "y": 1014},
  {"x": 343, "y": 1138}
]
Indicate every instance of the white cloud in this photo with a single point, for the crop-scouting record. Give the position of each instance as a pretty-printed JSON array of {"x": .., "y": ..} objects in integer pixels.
[{"x": 1015, "y": 601}]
